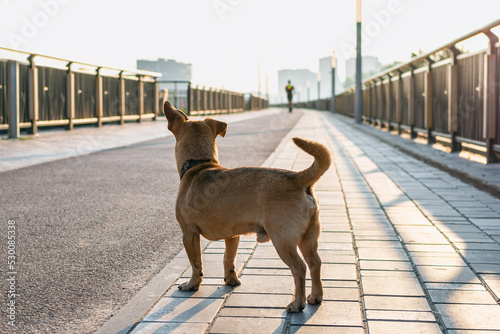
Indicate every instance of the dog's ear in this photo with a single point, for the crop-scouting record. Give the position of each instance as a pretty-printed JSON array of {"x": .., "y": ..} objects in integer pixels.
[
  {"x": 174, "y": 116},
  {"x": 218, "y": 127}
]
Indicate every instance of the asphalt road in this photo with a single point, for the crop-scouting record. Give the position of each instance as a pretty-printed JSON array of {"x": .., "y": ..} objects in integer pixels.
[{"x": 92, "y": 230}]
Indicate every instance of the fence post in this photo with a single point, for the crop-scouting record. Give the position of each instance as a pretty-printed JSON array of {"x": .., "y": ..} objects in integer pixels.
[
  {"x": 452, "y": 90},
  {"x": 399, "y": 101},
  {"x": 141, "y": 98},
  {"x": 490, "y": 109},
  {"x": 13, "y": 98},
  {"x": 99, "y": 105},
  {"x": 156, "y": 98},
  {"x": 411, "y": 103},
  {"x": 388, "y": 102},
  {"x": 70, "y": 96},
  {"x": 33, "y": 95},
  {"x": 428, "y": 118},
  {"x": 121, "y": 95},
  {"x": 189, "y": 97}
]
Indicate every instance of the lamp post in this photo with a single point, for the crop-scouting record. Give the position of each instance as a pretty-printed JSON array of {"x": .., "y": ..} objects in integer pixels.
[
  {"x": 359, "y": 99},
  {"x": 319, "y": 90},
  {"x": 334, "y": 65}
]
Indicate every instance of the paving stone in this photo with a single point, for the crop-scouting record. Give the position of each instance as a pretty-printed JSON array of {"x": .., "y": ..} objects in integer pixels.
[
  {"x": 489, "y": 257},
  {"x": 452, "y": 261},
  {"x": 468, "y": 246},
  {"x": 340, "y": 294},
  {"x": 387, "y": 273},
  {"x": 257, "y": 300},
  {"x": 254, "y": 312},
  {"x": 396, "y": 303},
  {"x": 184, "y": 310},
  {"x": 455, "y": 286},
  {"x": 394, "y": 254},
  {"x": 265, "y": 263},
  {"x": 306, "y": 329},
  {"x": 416, "y": 248},
  {"x": 400, "y": 315},
  {"x": 205, "y": 291},
  {"x": 169, "y": 327},
  {"x": 398, "y": 327},
  {"x": 335, "y": 237},
  {"x": 468, "y": 237},
  {"x": 462, "y": 316},
  {"x": 378, "y": 244},
  {"x": 392, "y": 286},
  {"x": 461, "y": 297},
  {"x": 437, "y": 274},
  {"x": 329, "y": 313},
  {"x": 247, "y": 325},
  {"x": 265, "y": 284},
  {"x": 487, "y": 268},
  {"x": 385, "y": 265}
]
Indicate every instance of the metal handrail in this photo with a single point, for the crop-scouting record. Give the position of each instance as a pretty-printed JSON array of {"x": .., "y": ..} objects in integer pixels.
[
  {"x": 136, "y": 72},
  {"x": 449, "y": 45}
]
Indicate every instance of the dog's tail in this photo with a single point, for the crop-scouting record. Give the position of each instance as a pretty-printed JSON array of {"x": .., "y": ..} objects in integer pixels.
[{"x": 322, "y": 161}]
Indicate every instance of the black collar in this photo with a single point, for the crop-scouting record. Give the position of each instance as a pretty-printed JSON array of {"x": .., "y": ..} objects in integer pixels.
[{"x": 191, "y": 163}]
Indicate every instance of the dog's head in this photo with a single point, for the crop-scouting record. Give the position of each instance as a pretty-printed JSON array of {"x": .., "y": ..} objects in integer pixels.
[{"x": 195, "y": 140}]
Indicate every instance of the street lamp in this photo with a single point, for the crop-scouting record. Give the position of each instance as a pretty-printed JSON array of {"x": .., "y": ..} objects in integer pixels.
[
  {"x": 334, "y": 65},
  {"x": 359, "y": 96}
]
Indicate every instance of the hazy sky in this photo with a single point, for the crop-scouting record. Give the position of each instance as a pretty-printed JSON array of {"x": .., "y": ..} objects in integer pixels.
[{"x": 224, "y": 39}]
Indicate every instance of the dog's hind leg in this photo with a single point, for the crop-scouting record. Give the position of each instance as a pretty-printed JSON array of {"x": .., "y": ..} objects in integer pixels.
[
  {"x": 230, "y": 275},
  {"x": 309, "y": 248},
  {"x": 193, "y": 249},
  {"x": 288, "y": 253}
]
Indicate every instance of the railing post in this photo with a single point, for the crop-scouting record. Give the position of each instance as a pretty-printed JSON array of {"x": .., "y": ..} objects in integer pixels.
[
  {"x": 121, "y": 95},
  {"x": 399, "y": 101},
  {"x": 189, "y": 97},
  {"x": 99, "y": 105},
  {"x": 452, "y": 90},
  {"x": 490, "y": 108},
  {"x": 13, "y": 98},
  {"x": 70, "y": 96},
  {"x": 156, "y": 99},
  {"x": 141, "y": 98},
  {"x": 388, "y": 102},
  {"x": 428, "y": 117},
  {"x": 33, "y": 95},
  {"x": 411, "y": 103},
  {"x": 369, "y": 102}
]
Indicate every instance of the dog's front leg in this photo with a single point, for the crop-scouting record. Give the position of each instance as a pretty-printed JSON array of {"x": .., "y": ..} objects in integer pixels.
[
  {"x": 193, "y": 249},
  {"x": 230, "y": 275}
]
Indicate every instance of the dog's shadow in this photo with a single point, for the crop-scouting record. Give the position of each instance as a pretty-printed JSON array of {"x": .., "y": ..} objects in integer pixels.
[{"x": 301, "y": 319}]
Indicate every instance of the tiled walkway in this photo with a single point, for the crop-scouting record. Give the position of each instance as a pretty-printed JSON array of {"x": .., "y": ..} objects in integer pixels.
[{"x": 405, "y": 247}]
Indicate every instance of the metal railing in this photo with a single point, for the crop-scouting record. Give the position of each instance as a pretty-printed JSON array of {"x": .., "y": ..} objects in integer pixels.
[
  {"x": 454, "y": 101},
  {"x": 33, "y": 95},
  {"x": 202, "y": 100}
]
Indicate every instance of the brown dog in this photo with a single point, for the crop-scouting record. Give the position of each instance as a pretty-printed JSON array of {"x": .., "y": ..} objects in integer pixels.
[{"x": 221, "y": 203}]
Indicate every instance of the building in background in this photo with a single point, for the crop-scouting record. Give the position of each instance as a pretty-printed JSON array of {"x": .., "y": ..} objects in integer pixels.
[
  {"x": 371, "y": 66},
  {"x": 299, "y": 79},
  {"x": 170, "y": 69}
]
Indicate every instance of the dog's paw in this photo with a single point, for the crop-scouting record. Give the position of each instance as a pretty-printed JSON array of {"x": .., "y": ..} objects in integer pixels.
[
  {"x": 232, "y": 281},
  {"x": 314, "y": 299},
  {"x": 187, "y": 286},
  {"x": 295, "y": 306}
]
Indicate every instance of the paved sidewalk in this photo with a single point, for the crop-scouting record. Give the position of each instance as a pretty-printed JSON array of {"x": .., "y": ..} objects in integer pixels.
[{"x": 406, "y": 248}]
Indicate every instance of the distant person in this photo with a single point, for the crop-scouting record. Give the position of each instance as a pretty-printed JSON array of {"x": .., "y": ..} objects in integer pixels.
[{"x": 289, "y": 94}]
